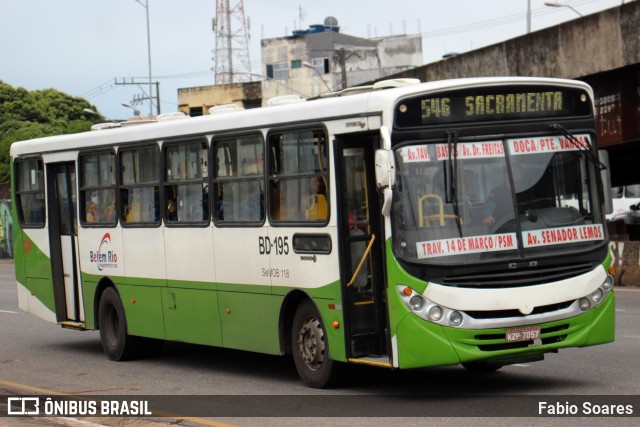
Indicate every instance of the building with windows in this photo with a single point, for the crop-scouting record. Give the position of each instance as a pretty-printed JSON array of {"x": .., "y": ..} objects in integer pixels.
[
  {"x": 310, "y": 63},
  {"x": 321, "y": 59}
]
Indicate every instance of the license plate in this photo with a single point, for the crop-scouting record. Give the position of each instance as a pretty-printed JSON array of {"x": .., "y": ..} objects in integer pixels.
[{"x": 522, "y": 334}]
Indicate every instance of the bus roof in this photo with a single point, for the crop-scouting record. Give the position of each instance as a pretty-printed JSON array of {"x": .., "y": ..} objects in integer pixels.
[{"x": 373, "y": 102}]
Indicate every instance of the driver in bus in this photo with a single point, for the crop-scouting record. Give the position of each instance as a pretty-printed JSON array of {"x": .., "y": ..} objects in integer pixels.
[{"x": 499, "y": 203}]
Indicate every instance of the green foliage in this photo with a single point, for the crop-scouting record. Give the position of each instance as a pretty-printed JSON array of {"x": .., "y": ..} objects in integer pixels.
[{"x": 27, "y": 115}]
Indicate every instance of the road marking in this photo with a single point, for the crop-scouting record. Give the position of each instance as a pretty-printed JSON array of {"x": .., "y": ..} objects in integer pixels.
[
  {"x": 201, "y": 421},
  {"x": 31, "y": 388},
  {"x": 82, "y": 422},
  {"x": 521, "y": 365},
  {"x": 8, "y": 312}
]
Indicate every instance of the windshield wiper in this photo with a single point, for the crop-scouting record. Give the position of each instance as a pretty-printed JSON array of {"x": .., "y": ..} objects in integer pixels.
[
  {"x": 579, "y": 145},
  {"x": 452, "y": 141}
]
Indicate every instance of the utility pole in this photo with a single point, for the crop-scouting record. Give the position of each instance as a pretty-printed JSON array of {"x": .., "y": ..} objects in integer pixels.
[
  {"x": 146, "y": 6},
  {"x": 343, "y": 68},
  {"x": 231, "y": 30},
  {"x": 141, "y": 98}
]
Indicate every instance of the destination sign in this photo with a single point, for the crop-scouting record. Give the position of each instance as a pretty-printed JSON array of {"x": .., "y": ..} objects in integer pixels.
[{"x": 492, "y": 104}]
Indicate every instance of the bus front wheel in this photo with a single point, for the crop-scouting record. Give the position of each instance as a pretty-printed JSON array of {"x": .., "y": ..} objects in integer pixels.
[
  {"x": 117, "y": 344},
  {"x": 311, "y": 348}
]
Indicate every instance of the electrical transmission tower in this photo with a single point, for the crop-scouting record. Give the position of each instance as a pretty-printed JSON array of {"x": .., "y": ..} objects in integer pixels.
[{"x": 231, "y": 30}]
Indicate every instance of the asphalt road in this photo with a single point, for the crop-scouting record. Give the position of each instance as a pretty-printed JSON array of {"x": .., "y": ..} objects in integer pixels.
[{"x": 40, "y": 358}]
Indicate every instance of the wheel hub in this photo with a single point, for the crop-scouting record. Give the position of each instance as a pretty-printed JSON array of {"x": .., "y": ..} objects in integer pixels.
[{"x": 311, "y": 344}]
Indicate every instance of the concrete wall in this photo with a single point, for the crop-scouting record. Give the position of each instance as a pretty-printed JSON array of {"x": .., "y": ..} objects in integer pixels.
[
  {"x": 584, "y": 46},
  {"x": 246, "y": 95}
]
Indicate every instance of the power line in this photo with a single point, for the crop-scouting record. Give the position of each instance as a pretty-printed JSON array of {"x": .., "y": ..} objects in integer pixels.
[{"x": 502, "y": 20}]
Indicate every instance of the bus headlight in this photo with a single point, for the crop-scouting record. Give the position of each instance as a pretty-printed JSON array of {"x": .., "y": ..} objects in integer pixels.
[
  {"x": 608, "y": 282},
  {"x": 597, "y": 295},
  {"x": 423, "y": 307},
  {"x": 435, "y": 313},
  {"x": 584, "y": 303},
  {"x": 416, "y": 302},
  {"x": 455, "y": 318}
]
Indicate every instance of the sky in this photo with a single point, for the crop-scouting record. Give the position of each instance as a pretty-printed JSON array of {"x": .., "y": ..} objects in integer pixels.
[{"x": 81, "y": 47}]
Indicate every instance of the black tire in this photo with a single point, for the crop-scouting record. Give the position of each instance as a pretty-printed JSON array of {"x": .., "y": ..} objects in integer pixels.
[
  {"x": 481, "y": 367},
  {"x": 311, "y": 349},
  {"x": 116, "y": 343}
]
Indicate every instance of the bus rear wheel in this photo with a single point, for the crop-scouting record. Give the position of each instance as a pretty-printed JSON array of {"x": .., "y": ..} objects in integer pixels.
[
  {"x": 311, "y": 348},
  {"x": 116, "y": 343}
]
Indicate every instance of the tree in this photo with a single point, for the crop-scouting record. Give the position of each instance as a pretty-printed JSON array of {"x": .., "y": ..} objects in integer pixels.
[{"x": 35, "y": 114}]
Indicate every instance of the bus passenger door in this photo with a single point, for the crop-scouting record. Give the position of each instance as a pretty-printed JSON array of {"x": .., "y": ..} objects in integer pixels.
[
  {"x": 362, "y": 243},
  {"x": 61, "y": 203}
]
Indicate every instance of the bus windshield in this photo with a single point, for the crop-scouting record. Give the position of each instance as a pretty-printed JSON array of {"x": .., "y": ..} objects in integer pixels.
[{"x": 498, "y": 199}]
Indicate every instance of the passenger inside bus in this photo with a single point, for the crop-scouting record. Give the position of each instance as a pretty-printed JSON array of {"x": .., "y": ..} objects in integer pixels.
[
  {"x": 499, "y": 203},
  {"x": 109, "y": 211},
  {"x": 172, "y": 214},
  {"x": 529, "y": 181},
  {"x": 92, "y": 212},
  {"x": 317, "y": 201},
  {"x": 92, "y": 208}
]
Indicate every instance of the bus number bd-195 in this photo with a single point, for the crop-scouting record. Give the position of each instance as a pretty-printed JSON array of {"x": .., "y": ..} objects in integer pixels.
[{"x": 278, "y": 246}]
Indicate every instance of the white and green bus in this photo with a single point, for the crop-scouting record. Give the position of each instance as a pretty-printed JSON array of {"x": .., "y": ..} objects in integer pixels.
[{"x": 450, "y": 222}]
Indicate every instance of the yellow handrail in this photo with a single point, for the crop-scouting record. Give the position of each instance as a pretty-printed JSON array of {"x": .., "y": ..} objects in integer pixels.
[
  {"x": 440, "y": 208},
  {"x": 366, "y": 253},
  {"x": 440, "y": 215}
]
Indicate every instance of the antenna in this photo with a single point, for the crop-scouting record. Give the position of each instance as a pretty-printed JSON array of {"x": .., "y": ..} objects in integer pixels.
[
  {"x": 231, "y": 41},
  {"x": 301, "y": 15}
]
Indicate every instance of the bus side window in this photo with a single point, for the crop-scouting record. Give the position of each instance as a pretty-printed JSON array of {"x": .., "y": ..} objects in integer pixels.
[
  {"x": 30, "y": 193},
  {"x": 98, "y": 189},
  {"x": 239, "y": 180},
  {"x": 185, "y": 182},
  {"x": 298, "y": 177},
  {"x": 139, "y": 185}
]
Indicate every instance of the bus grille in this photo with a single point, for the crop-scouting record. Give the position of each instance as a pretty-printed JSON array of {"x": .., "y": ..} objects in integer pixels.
[
  {"x": 501, "y": 314},
  {"x": 517, "y": 277},
  {"x": 549, "y": 335}
]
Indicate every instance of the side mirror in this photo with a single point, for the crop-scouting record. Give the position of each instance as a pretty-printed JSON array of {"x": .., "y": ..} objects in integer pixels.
[{"x": 385, "y": 170}]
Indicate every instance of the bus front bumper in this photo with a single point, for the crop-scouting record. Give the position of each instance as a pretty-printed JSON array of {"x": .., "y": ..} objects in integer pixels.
[{"x": 420, "y": 343}]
